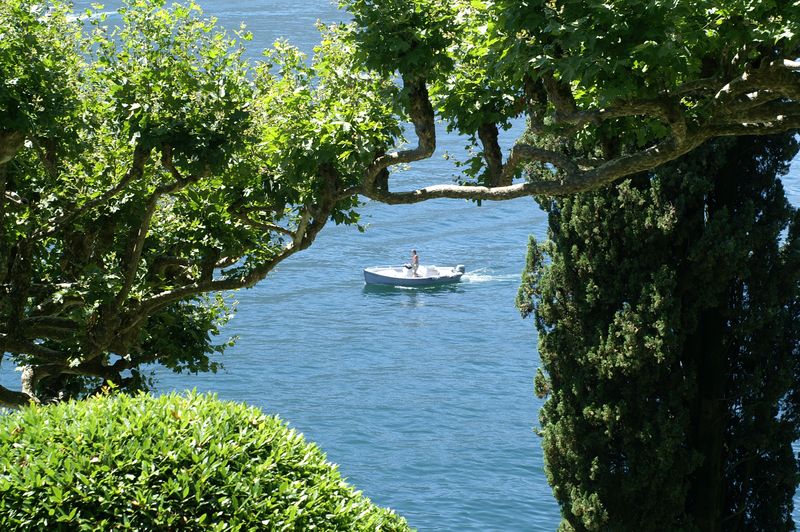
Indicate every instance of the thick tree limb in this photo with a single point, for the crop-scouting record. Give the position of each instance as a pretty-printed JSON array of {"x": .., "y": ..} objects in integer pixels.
[
  {"x": 573, "y": 179},
  {"x": 33, "y": 375},
  {"x": 49, "y": 321},
  {"x": 12, "y": 344},
  {"x": 535, "y": 102},
  {"x": 780, "y": 77},
  {"x": 703, "y": 85},
  {"x": 766, "y": 113},
  {"x": 43, "y": 327},
  {"x": 96, "y": 367},
  {"x": 14, "y": 399},
  {"x": 560, "y": 95},
  {"x": 751, "y": 101},
  {"x": 735, "y": 130},
  {"x": 524, "y": 153},
  {"x": 20, "y": 282}
]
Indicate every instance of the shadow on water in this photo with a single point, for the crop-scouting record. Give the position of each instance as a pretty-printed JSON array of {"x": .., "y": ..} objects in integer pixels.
[{"x": 386, "y": 291}]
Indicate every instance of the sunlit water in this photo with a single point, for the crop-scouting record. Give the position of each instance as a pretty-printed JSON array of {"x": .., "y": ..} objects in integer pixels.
[{"x": 424, "y": 397}]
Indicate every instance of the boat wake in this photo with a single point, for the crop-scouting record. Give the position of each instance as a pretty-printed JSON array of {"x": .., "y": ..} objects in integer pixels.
[{"x": 485, "y": 275}]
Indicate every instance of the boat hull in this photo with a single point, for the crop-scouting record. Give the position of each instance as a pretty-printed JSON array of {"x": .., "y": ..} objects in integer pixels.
[{"x": 397, "y": 276}]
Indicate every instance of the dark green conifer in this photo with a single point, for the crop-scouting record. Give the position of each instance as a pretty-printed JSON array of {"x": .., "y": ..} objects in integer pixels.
[{"x": 668, "y": 314}]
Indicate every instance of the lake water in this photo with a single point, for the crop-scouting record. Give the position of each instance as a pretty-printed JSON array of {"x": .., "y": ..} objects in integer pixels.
[{"x": 424, "y": 397}]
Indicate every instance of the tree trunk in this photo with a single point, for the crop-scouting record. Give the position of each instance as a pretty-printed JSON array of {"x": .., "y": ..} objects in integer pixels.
[
  {"x": 10, "y": 143},
  {"x": 707, "y": 494},
  {"x": 493, "y": 155},
  {"x": 3, "y": 245}
]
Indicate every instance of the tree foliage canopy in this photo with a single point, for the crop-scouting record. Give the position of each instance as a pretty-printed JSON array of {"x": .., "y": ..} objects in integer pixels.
[
  {"x": 668, "y": 311},
  {"x": 146, "y": 166}
]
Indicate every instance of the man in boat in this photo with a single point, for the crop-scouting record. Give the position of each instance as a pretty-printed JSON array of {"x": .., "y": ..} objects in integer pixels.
[{"x": 414, "y": 262}]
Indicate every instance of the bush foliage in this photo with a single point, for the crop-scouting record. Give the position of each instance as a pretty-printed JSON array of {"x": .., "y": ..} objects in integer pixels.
[{"x": 171, "y": 462}]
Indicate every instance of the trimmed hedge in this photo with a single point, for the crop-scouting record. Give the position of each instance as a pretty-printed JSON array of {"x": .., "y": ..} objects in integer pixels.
[{"x": 170, "y": 463}]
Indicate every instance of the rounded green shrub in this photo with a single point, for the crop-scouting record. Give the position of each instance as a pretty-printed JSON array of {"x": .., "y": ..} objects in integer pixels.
[{"x": 170, "y": 463}]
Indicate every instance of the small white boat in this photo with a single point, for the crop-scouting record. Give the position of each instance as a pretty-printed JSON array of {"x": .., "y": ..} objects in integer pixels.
[{"x": 403, "y": 276}]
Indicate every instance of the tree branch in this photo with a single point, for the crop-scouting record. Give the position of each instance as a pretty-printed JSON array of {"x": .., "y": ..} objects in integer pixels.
[
  {"x": 32, "y": 375},
  {"x": 779, "y": 125},
  {"x": 10, "y": 143},
  {"x": 751, "y": 101},
  {"x": 14, "y": 198},
  {"x": 697, "y": 85},
  {"x": 133, "y": 254},
  {"x": 264, "y": 226},
  {"x": 302, "y": 227},
  {"x": 136, "y": 171},
  {"x": 667, "y": 109},
  {"x": 493, "y": 155},
  {"x": 14, "y": 399},
  {"x": 227, "y": 261},
  {"x": 46, "y": 149},
  {"x": 180, "y": 182},
  {"x": 43, "y": 327},
  {"x": 765, "y": 113},
  {"x": 571, "y": 180},
  {"x": 779, "y": 76},
  {"x": 747, "y": 105},
  {"x": 13, "y": 344},
  {"x": 560, "y": 95},
  {"x": 311, "y": 223},
  {"x": 421, "y": 113},
  {"x": 4, "y": 244},
  {"x": 161, "y": 263}
]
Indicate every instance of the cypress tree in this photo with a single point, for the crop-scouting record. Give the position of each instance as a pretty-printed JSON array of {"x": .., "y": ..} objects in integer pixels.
[{"x": 668, "y": 315}]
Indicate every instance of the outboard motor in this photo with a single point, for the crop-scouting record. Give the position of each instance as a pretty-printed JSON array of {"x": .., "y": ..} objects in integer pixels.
[{"x": 461, "y": 268}]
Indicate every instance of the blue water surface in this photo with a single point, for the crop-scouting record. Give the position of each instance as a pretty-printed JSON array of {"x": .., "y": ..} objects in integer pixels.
[{"x": 424, "y": 397}]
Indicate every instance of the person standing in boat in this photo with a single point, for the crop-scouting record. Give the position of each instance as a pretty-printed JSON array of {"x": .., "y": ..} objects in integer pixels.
[{"x": 414, "y": 262}]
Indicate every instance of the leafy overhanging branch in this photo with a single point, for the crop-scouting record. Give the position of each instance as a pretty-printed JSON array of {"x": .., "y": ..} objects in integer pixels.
[{"x": 737, "y": 110}]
